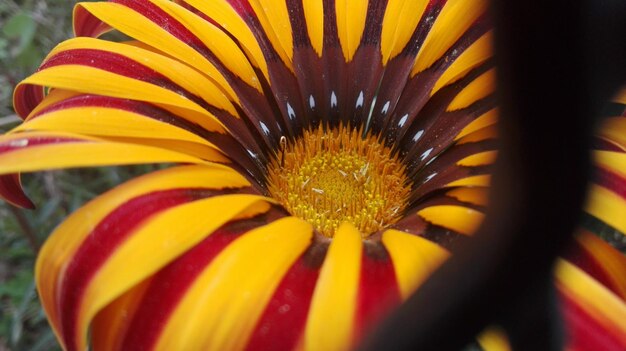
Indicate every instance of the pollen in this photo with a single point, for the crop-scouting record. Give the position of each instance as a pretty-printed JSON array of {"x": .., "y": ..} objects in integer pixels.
[{"x": 331, "y": 176}]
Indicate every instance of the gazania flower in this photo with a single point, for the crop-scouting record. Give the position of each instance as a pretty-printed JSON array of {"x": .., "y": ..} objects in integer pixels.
[{"x": 327, "y": 155}]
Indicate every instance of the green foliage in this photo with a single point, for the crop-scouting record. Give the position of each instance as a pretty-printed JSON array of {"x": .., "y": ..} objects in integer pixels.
[
  {"x": 57, "y": 194},
  {"x": 28, "y": 30}
]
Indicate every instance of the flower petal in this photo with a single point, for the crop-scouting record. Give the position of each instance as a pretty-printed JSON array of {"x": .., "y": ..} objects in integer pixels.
[
  {"x": 197, "y": 42},
  {"x": 337, "y": 286},
  {"x": 96, "y": 66},
  {"x": 600, "y": 260},
  {"x": 477, "y": 53},
  {"x": 36, "y": 151},
  {"x": 72, "y": 280},
  {"x": 187, "y": 37},
  {"x": 457, "y": 166},
  {"x": 11, "y": 191},
  {"x": 399, "y": 23},
  {"x": 460, "y": 219},
  {"x": 379, "y": 291},
  {"x": 289, "y": 307},
  {"x": 455, "y": 18},
  {"x": 407, "y": 86},
  {"x": 114, "y": 119},
  {"x": 414, "y": 258},
  {"x": 595, "y": 318},
  {"x": 607, "y": 197},
  {"x": 220, "y": 309},
  {"x": 221, "y": 12},
  {"x": 351, "y": 16}
]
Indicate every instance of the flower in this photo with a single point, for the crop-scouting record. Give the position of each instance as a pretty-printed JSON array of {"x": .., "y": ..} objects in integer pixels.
[{"x": 328, "y": 155}]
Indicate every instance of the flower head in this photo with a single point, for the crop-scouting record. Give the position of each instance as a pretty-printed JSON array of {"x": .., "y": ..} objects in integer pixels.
[{"x": 328, "y": 155}]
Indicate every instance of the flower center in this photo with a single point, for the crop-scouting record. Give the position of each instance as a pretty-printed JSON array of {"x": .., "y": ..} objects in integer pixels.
[{"x": 327, "y": 177}]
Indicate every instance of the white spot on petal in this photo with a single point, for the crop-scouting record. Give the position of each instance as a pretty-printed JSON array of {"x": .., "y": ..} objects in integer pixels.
[
  {"x": 359, "y": 100},
  {"x": 291, "y": 112},
  {"x": 385, "y": 107},
  {"x": 430, "y": 177},
  {"x": 311, "y": 101},
  {"x": 425, "y": 154},
  {"x": 333, "y": 99},
  {"x": 252, "y": 153},
  {"x": 284, "y": 309},
  {"x": 431, "y": 160},
  {"x": 265, "y": 129},
  {"x": 418, "y": 135},
  {"x": 18, "y": 143},
  {"x": 403, "y": 120}
]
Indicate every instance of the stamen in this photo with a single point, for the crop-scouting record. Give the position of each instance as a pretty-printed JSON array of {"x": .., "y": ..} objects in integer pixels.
[{"x": 330, "y": 176}]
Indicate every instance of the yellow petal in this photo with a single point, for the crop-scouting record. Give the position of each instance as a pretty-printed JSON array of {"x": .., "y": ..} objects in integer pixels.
[
  {"x": 314, "y": 15},
  {"x": 607, "y": 206},
  {"x": 414, "y": 258},
  {"x": 474, "y": 55},
  {"x": 474, "y": 195},
  {"x": 351, "y": 15},
  {"x": 66, "y": 239},
  {"x": 219, "y": 43},
  {"x": 179, "y": 73},
  {"x": 601, "y": 304},
  {"x": 84, "y": 152},
  {"x": 474, "y": 91},
  {"x": 485, "y": 120},
  {"x": 454, "y": 19},
  {"x": 279, "y": 32},
  {"x": 141, "y": 28},
  {"x": 105, "y": 121},
  {"x": 479, "y": 180},
  {"x": 158, "y": 242},
  {"x": 479, "y": 159},
  {"x": 221, "y": 308},
  {"x": 399, "y": 23},
  {"x": 458, "y": 218},
  {"x": 221, "y": 12},
  {"x": 330, "y": 324},
  {"x": 494, "y": 339},
  {"x": 96, "y": 81}
]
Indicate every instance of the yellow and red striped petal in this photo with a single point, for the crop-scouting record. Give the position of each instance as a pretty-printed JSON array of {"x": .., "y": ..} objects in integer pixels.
[
  {"x": 326, "y": 329},
  {"x": 36, "y": 151},
  {"x": 220, "y": 309},
  {"x": 399, "y": 23},
  {"x": 11, "y": 191},
  {"x": 414, "y": 258},
  {"x": 607, "y": 196},
  {"x": 600, "y": 260},
  {"x": 595, "y": 317},
  {"x": 289, "y": 306},
  {"x": 84, "y": 265},
  {"x": 196, "y": 42},
  {"x": 455, "y": 18},
  {"x": 114, "y": 118},
  {"x": 99, "y": 67},
  {"x": 188, "y": 38}
]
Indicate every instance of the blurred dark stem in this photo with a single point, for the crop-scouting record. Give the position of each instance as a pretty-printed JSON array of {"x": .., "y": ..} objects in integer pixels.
[
  {"x": 558, "y": 63},
  {"x": 27, "y": 230}
]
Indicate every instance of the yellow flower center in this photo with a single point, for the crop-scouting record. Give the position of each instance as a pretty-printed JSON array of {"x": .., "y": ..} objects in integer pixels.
[{"x": 328, "y": 177}]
